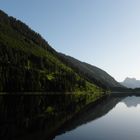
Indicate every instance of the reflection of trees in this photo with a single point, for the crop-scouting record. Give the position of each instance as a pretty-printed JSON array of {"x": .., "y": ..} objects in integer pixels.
[
  {"x": 22, "y": 114},
  {"x": 92, "y": 113}
]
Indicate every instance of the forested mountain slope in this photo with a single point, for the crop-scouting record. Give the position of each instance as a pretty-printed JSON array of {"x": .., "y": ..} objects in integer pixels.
[{"x": 29, "y": 63}]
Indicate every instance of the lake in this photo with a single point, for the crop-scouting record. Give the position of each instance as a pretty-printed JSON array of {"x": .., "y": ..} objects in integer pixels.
[{"x": 116, "y": 118}]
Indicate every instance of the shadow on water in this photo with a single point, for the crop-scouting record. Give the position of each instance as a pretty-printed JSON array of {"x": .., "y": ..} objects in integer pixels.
[{"x": 25, "y": 117}]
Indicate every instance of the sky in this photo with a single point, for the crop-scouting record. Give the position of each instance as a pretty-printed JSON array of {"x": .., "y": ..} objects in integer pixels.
[{"x": 104, "y": 33}]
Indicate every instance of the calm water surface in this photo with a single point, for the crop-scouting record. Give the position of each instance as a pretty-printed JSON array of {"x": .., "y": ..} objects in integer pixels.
[{"x": 115, "y": 119}]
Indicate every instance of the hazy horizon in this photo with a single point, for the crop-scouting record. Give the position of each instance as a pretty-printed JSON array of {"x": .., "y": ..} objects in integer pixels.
[{"x": 102, "y": 33}]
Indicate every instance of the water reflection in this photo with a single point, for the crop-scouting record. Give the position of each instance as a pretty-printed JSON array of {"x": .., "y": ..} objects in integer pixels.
[
  {"x": 92, "y": 113},
  {"x": 116, "y": 118},
  {"x": 24, "y": 117},
  {"x": 132, "y": 102}
]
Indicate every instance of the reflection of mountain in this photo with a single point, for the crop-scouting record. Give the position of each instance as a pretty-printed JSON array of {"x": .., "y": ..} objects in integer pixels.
[
  {"x": 91, "y": 114},
  {"x": 131, "y": 101}
]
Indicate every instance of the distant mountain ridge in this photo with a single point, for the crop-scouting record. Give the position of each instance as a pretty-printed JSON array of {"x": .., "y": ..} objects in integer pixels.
[
  {"x": 92, "y": 73},
  {"x": 131, "y": 83}
]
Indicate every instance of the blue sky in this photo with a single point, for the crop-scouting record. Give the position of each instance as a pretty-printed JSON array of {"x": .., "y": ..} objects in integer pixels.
[{"x": 104, "y": 33}]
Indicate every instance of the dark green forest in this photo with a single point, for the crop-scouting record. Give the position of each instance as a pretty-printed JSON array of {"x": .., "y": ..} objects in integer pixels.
[{"x": 29, "y": 63}]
